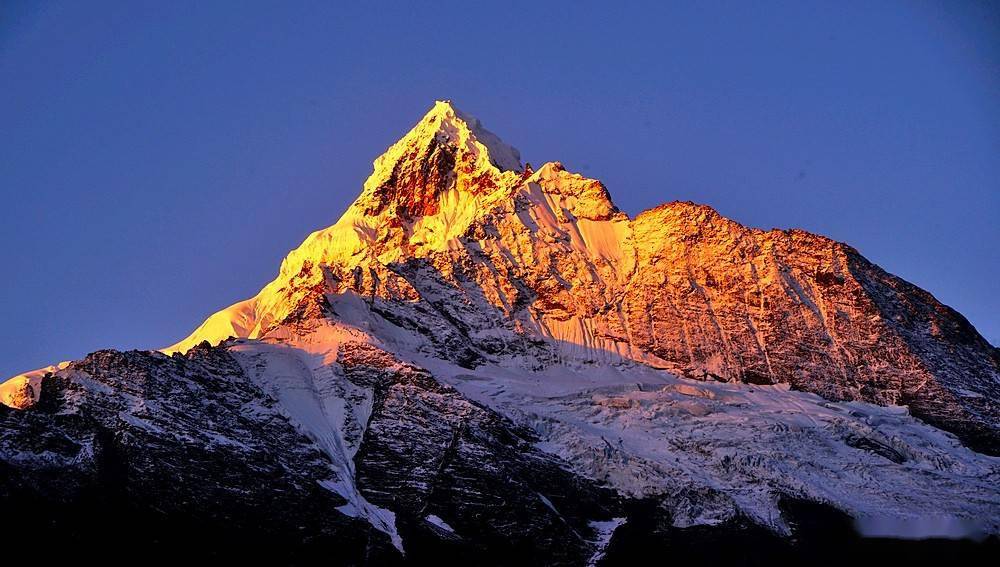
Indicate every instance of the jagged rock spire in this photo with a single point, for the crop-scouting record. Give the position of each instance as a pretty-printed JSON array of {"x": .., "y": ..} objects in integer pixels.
[{"x": 446, "y": 149}]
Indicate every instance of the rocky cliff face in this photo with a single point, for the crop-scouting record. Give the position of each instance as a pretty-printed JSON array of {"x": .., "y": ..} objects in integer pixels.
[
  {"x": 195, "y": 448},
  {"x": 716, "y": 299},
  {"x": 494, "y": 363},
  {"x": 492, "y": 260}
]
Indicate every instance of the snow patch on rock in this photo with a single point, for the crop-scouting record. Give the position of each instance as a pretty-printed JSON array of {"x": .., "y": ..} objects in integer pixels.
[{"x": 603, "y": 531}]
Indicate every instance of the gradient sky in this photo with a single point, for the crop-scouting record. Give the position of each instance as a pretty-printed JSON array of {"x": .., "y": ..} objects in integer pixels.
[{"x": 158, "y": 159}]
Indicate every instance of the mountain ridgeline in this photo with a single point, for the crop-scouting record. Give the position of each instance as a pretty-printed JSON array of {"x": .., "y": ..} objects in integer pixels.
[
  {"x": 494, "y": 259},
  {"x": 487, "y": 363}
]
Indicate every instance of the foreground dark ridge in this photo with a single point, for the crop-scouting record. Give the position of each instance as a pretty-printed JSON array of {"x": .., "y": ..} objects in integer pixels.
[{"x": 171, "y": 454}]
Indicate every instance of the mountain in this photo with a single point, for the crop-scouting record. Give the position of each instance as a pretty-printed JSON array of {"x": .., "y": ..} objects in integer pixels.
[
  {"x": 450, "y": 229},
  {"x": 489, "y": 363}
]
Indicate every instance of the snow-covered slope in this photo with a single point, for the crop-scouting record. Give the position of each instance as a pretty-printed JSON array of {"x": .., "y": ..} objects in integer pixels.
[
  {"x": 472, "y": 331},
  {"x": 712, "y": 451}
]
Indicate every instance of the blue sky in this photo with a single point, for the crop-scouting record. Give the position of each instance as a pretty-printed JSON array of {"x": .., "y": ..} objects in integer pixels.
[{"x": 158, "y": 159}]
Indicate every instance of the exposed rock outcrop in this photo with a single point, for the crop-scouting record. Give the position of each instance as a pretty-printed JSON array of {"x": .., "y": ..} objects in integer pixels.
[{"x": 449, "y": 239}]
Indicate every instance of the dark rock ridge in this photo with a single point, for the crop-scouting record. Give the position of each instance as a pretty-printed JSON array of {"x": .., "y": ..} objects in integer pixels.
[
  {"x": 184, "y": 449},
  {"x": 167, "y": 452},
  {"x": 185, "y": 457}
]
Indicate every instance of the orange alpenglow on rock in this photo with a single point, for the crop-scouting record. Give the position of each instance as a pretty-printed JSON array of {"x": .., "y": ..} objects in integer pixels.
[{"x": 548, "y": 260}]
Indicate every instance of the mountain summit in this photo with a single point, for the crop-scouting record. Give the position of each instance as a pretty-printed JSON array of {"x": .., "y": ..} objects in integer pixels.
[
  {"x": 546, "y": 256},
  {"x": 446, "y": 150},
  {"x": 444, "y": 178},
  {"x": 483, "y": 361}
]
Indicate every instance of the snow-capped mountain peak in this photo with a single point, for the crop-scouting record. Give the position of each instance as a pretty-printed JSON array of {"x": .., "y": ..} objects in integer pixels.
[
  {"x": 442, "y": 183},
  {"x": 446, "y": 147},
  {"x": 446, "y": 222},
  {"x": 472, "y": 332}
]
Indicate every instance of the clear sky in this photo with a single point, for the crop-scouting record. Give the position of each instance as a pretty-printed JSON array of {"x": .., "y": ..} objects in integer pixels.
[{"x": 158, "y": 159}]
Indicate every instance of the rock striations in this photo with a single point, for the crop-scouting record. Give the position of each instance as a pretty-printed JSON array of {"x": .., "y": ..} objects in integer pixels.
[
  {"x": 546, "y": 258},
  {"x": 494, "y": 362}
]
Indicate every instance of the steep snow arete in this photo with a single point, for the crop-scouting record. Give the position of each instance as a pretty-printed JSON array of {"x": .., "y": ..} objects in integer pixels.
[{"x": 676, "y": 356}]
